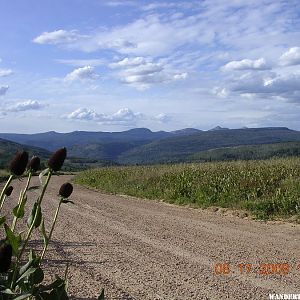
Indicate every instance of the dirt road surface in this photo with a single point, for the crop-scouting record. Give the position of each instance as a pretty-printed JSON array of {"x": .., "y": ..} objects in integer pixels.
[{"x": 142, "y": 249}]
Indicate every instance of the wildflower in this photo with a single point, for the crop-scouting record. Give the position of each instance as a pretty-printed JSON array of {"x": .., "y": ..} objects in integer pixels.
[
  {"x": 8, "y": 190},
  {"x": 66, "y": 190},
  {"x": 19, "y": 163},
  {"x": 57, "y": 159},
  {"x": 34, "y": 164},
  {"x": 5, "y": 256}
]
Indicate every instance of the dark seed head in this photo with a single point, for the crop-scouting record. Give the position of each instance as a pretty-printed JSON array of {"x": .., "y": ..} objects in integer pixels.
[
  {"x": 19, "y": 163},
  {"x": 8, "y": 190},
  {"x": 5, "y": 256},
  {"x": 66, "y": 190},
  {"x": 57, "y": 159},
  {"x": 34, "y": 164}
]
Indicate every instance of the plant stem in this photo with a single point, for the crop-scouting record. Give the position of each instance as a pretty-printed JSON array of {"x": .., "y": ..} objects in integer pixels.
[
  {"x": 52, "y": 228},
  {"x": 2, "y": 198},
  {"x": 35, "y": 216},
  {"x": 39, "y": 201},
  {"x": 21, "y": 200}
]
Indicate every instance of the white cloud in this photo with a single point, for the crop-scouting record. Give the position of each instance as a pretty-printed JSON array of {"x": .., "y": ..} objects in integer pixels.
[
  {"x": 290, "y": 57},
  {"x": 82, "y": 62},
  {"x": 180, "y": 76},
  {"x": 246, "y": 64},
  {"x": 123, "y": 116},
  {"x": 26, "y": 105},
  {"x": 270, "y": 85},
  {"x": 121, "y": 3},
  {"x": 83, "y": 114},
  {"x": 57, "y": 37},
  {"x": 84, "y": 73},
  {"x": 142, "y": 73},
  {"x": 160, "y": 5},
  {"x": 3, "y": 89},
  {"x": 220, "y": 92},
  {"x": 146, "y": 36},
  {"x": 129, "y": 62},
  {"x": 5, "y": 72},
  {"x": 163, "y": 118}
]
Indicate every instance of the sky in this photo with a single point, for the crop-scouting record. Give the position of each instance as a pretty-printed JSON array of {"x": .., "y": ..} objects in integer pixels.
[{"x": 113, "y": 65}]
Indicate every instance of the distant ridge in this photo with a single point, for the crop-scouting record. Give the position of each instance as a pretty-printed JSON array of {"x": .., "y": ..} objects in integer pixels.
[
  {"x": 186, "y": 131},
  {"x": 218, "y": 128},
  {"x": 51, "y": 140},
  {"x": 143, "y": 146}
]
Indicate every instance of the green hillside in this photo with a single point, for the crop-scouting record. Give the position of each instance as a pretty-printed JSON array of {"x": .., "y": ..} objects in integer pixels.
[
  {"x": 264, "y": 151},
  {"x": 180, "y": 148},
  {"x": 104, "y": 151},
  {"x": 8, "y": 149}
]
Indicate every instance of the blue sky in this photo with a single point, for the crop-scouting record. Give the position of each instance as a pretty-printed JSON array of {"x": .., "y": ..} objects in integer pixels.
[{"x": 114, "y": 65}]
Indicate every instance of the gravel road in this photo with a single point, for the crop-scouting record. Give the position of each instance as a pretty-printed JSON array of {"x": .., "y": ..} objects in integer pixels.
[{"x": 143, "y": 249}]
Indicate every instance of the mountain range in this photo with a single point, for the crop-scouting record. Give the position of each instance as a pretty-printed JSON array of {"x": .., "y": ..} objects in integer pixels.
[{"x": 143, "y": 146}]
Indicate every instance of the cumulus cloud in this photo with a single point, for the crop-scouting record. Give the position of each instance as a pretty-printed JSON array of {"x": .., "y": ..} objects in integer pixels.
[
  {"x": 123, "y": 116},
  {"x": 143, "y": 72},
  {"x": 220, "y": 92},
  {"x": 5, "y": 72},
  {"x": 84, "y": 114},
  {"x": 246, "y": 64},
  {"x": 57, "y": 37},
  {"x": 290, "y": 57},
  {"x": 26, "y": 105},
  {"x": 270, "y": 85},
  {"x": 84, "y": 73},
  {"x": 180, "y": 76},
  {"x": 163, "y": 118},
  {"x": 3, "y": 89},
  {"x": 129, "y": 62}
]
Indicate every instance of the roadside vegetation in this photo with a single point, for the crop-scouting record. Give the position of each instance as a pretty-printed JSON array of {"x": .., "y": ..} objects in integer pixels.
[
  {"x": 267, "y": 188},
  {"x": 22, "y": 278},
  {"x": 248, "y": 152}
]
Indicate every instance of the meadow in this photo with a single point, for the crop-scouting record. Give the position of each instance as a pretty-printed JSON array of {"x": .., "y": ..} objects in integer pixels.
[{"x": 267, "y": 188}]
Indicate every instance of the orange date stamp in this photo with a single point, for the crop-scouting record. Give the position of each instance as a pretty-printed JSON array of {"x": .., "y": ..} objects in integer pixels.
[{"x": 249, "y": 268}]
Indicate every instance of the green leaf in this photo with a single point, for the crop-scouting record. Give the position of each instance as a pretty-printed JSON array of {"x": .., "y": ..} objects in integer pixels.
[
  {"x": 55, "y": 284},
  {"x": 2, "y": 220},
  {"x": 19, "y": 210},
  {"x": 37, "y": 276},
  {"x": 43, "y": 296},
  {"x": 24, "y": 268},
  {"x": 42, "y": 174},
  {"x": 32, "y": 262},
  {"x": 38, "y": 219},
  {"x": 101, "y": 297},
  {"x": 26, "y": 274},
  {"x": 13, "y": 239},
  {"x": 21, "y": 297},
  {"x": 8, "y": 292},
  {"x": 44, "y": 233}
]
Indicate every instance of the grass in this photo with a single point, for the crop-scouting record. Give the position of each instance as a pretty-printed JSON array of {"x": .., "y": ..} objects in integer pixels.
[{"x": 267, "y": 188}]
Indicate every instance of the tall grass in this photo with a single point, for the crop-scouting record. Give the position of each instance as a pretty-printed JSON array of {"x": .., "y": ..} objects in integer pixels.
[{"x": 267, "y": 187}]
